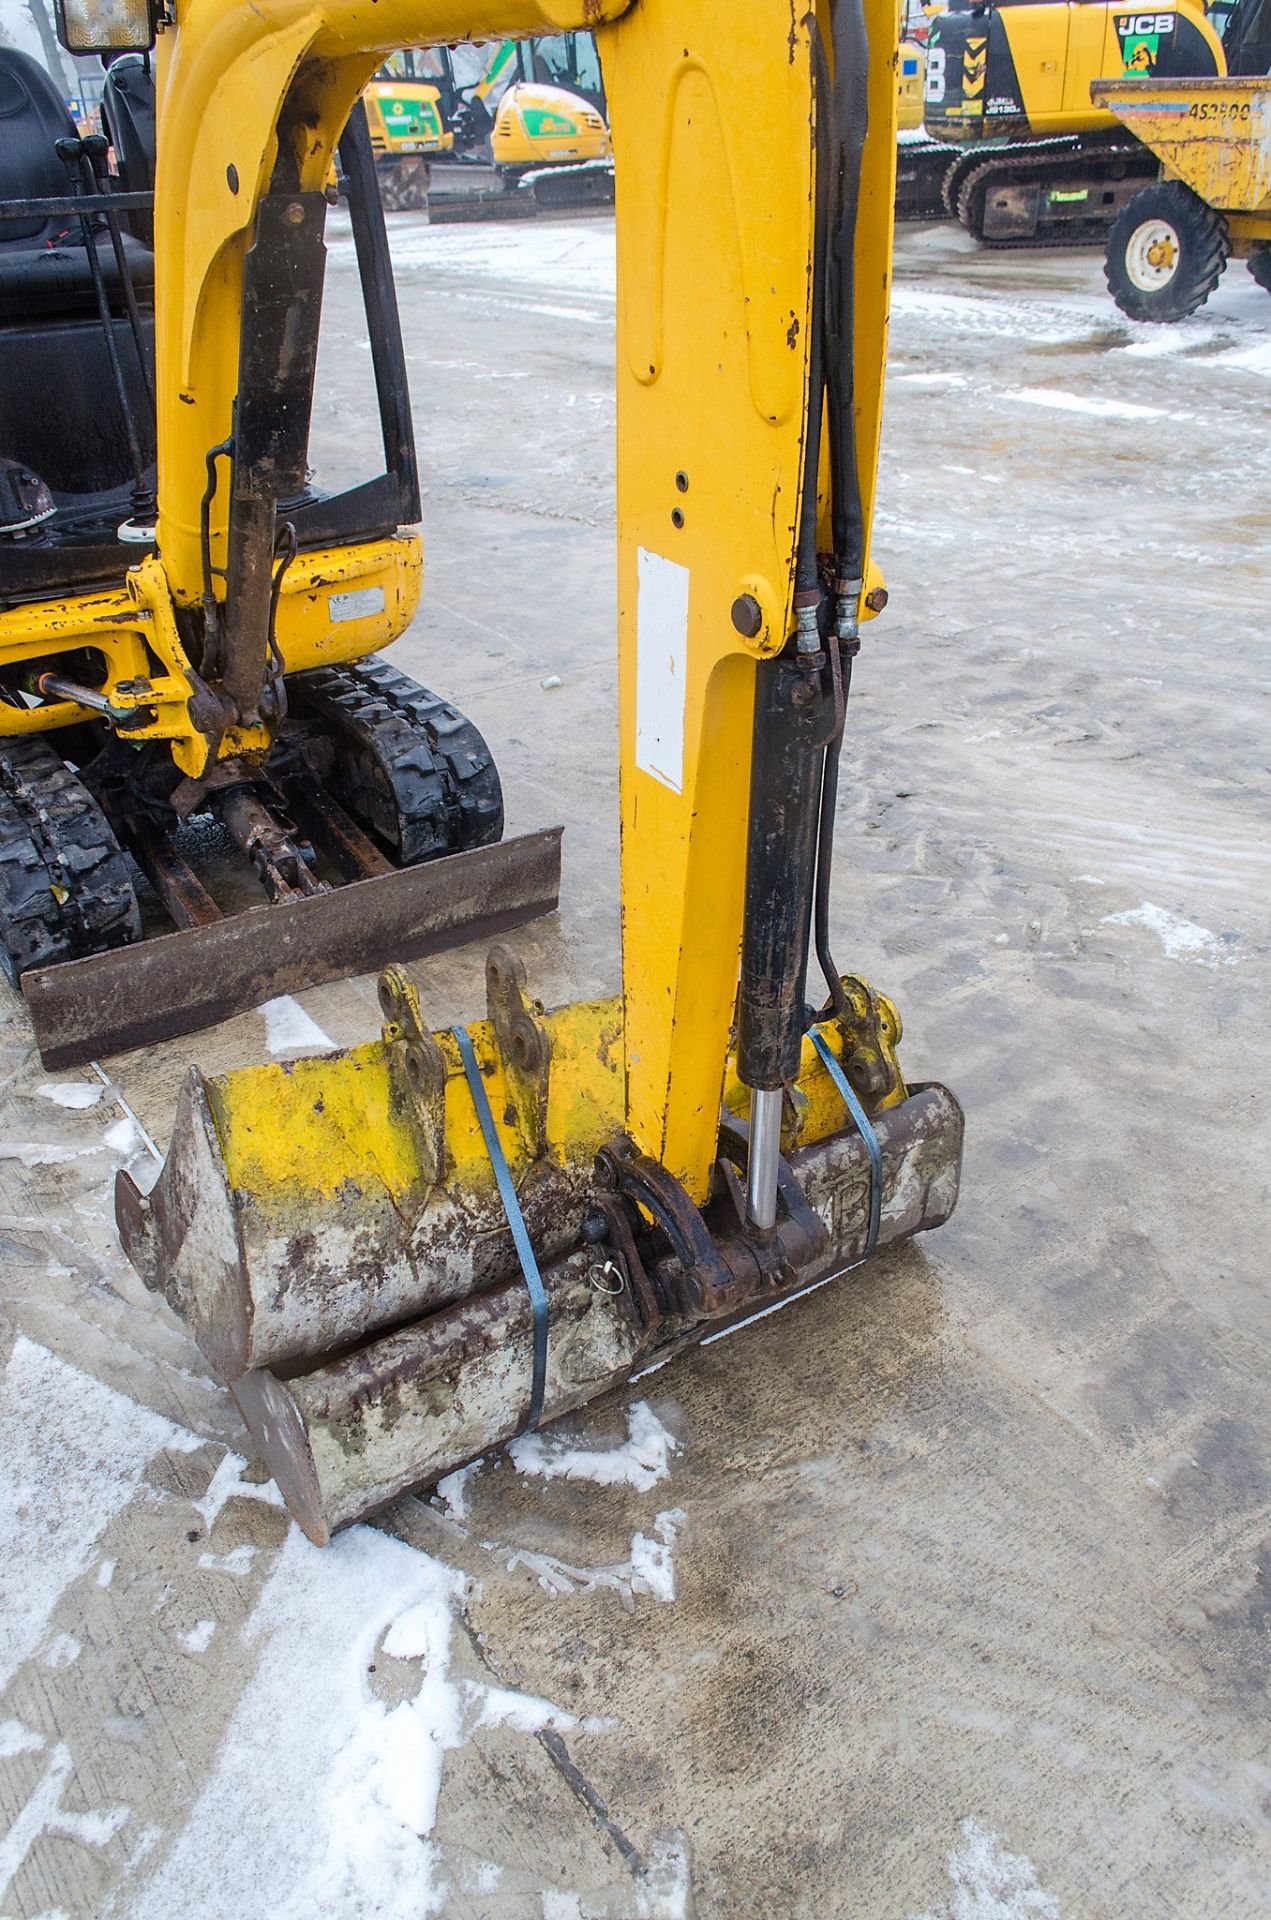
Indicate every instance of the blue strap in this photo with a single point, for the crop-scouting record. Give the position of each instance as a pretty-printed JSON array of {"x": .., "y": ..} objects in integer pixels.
[
  {"x": 866, "y": 1132},
  {"x": 516, "y": 1220}
]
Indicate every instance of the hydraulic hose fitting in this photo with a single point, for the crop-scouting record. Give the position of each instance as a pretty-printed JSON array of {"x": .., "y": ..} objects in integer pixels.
[
  {"x": 847, "y": 612},
  {"x": 807, "y": 632}
]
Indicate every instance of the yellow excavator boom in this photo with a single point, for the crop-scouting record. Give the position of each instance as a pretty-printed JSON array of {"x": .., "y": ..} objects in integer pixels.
[{"x": 504, "y": 1220}]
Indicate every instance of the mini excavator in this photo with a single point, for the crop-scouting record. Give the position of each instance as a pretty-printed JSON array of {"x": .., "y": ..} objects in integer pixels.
[
  {"x": 189, "y": 625},
  {"x": 400, "y": 1256}
]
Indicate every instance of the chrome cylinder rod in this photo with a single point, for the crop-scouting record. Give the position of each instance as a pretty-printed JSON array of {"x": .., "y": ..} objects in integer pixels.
[{"x": 765, "y": 1150}]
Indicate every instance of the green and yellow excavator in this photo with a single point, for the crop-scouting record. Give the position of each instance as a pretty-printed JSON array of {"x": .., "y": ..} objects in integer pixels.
[{"x": 1009, "y": 82}]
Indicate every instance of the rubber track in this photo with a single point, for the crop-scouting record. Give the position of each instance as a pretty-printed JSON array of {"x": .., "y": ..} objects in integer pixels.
[
  {"x": 53, "y": 834},
  {"x": 408, "y": 764},
  {"x": 1066, "y": 233}
]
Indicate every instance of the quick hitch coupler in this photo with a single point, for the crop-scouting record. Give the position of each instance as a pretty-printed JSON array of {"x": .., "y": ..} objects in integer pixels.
[{"x": 793, "y": 719}]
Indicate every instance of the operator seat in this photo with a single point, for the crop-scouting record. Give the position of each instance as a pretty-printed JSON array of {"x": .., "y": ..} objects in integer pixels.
[
  {"x": 44, "y": 265},
  {"x": 128, "y": 121}
]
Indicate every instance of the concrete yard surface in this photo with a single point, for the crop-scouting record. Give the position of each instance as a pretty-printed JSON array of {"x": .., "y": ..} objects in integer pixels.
[{"x": 942, "y": 1594}]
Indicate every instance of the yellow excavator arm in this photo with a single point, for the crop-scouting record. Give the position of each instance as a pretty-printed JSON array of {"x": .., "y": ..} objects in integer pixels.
[{"x": 704, "y": 1143}]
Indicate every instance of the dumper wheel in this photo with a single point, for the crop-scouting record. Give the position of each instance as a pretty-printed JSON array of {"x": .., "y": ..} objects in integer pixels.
[
  {"x": 65, "y": 886},
  {"x": 1166, "y": 252},
  {"x": 1259, "y": 265},
  {"x": 407, "y": 764}
]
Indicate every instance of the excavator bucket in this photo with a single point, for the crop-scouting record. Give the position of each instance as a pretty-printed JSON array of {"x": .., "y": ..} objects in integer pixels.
[{"x": 334, "y": 1233}]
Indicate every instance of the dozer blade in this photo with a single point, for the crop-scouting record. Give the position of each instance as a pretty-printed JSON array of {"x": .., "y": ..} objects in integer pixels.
[
  {"x": 179, "y": 982},
  {"x": 334, "y": 1234}
]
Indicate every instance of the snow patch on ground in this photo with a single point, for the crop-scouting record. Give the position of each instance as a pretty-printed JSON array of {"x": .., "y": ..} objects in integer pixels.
[
  {"x": 454, "y": 1488},
  {"x": 1181, "y": 939},
  {"x": 74, "y": 1452},
  {"x": 125, "y": 1137},
  {"x": 76, "y": 1094},
  {"x": 289, "y": 1029},
  {"x": 44, "y": 1813},
  {"x": 199, "y": 1637},
  {"x": 1090, "y": 403},
  {"x": 237, "y": 1560},
  {"x": 991, "y": 1884},
  {"x": 63, "y": 1650},
  {"x": 317, "y": 1776},
  {"x": 649, "y": 1569},
  {"x": 640, "y": 1462},
  {"x": 227, "y": 1483},
  {"x": 15, "y": 1739},
  {"x": 42, "y": 1153}
]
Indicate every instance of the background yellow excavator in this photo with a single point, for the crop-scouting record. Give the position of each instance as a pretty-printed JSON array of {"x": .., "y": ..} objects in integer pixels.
[
  {"x": 189, "y": 625},
  {"x": 1010, "y": 82},
  {"x": 400, "y": 1256},
  {"x": 404, "y": 115}
]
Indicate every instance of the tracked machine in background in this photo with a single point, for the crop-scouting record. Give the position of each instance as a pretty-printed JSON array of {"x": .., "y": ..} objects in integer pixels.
[
  {"x": 1009, "y": 82},
  {"x": 199, "y": 648},
  {"x": 404, "y": 116},
  {"x": 400, "y": 1256}
]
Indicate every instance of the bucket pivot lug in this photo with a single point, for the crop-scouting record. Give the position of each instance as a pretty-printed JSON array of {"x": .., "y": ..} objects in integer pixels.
[
  {"x": 418, "y": 1067},
  {"x": 525, "y": 1045}
]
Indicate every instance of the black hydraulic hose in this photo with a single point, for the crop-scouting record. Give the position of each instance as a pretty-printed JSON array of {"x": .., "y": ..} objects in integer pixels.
[
  {"x": 93, "y": 157},
  {"x": 851, "y": 123},
  {"x": 841, "y": 666}
]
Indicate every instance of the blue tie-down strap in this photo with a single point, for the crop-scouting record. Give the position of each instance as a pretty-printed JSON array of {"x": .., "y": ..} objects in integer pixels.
[
  {"x": 516, "y": 1220},
  {"x": 866, "y": 1131}
]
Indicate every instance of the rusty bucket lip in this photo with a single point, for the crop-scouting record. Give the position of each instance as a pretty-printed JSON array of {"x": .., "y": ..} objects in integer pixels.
[{"x": 177, "y": 983}]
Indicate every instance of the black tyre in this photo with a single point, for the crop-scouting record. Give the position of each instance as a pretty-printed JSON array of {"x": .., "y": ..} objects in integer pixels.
[
  {"x": 1259, "y": 265},
  {"x": 65, "y": 886},
  {"x": 1166, "y": 252}
]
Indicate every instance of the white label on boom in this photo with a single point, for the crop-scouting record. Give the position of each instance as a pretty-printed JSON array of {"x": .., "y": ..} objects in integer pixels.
[{"x": 661, "y": 661}]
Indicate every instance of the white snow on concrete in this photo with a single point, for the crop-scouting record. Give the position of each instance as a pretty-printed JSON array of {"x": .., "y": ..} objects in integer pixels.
[
  {"x": 227, "y": 1483},
  {"x": 640, "y": 1462},
  {"x": 648, "y": 1569},
  {"x": 652, "y": 1565},
  {"x": 991, "y": 1884},
  {"x": 15, "y": 1739},
  {"x": 1090, "y": 403},
  {"x": 42, "y": 1153},
  {"x": 199, "y": 1637},
  {"x": 453, "y": 1489},
  {"x": 106, "y": 1573},
  {"x": 237, "y": 1561},
  {"x": 44, "y": 1813},
  {"x": 1181, "y": 939},
  {"x": 74, "y": 1452},
  {"x": 289, "y": 1029},
  {"x": 323, "y": 1797},
  {"x": 567, "y": 258},
  {"x": 76, "y": 1094},
  {"x": 125, "y": 1137},
  {"x": 63, "y": 1650}
]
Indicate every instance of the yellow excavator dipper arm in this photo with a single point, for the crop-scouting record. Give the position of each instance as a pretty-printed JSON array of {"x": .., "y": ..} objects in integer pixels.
[{"x": 522, "y": 1213}]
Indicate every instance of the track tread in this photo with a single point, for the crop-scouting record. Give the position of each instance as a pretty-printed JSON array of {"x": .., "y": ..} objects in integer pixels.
[
  {"x": 53, "y": 834},
  {"x": 408, "y": 764},
  {"x": 1051, "y": 158}
]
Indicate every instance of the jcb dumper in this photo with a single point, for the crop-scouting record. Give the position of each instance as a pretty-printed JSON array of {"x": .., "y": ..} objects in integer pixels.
[
  {"x": 1169, "y": 246},
  {"x": 401, "y": 1256},
  {"x": 189, "y": 627}
]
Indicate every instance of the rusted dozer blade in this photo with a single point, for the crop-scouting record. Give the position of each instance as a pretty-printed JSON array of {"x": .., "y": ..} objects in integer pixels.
[
  {"x": 350, "y": 1436},
  {"x": 332, "y": 1231},
  {"x": 179, "y": 982}
]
